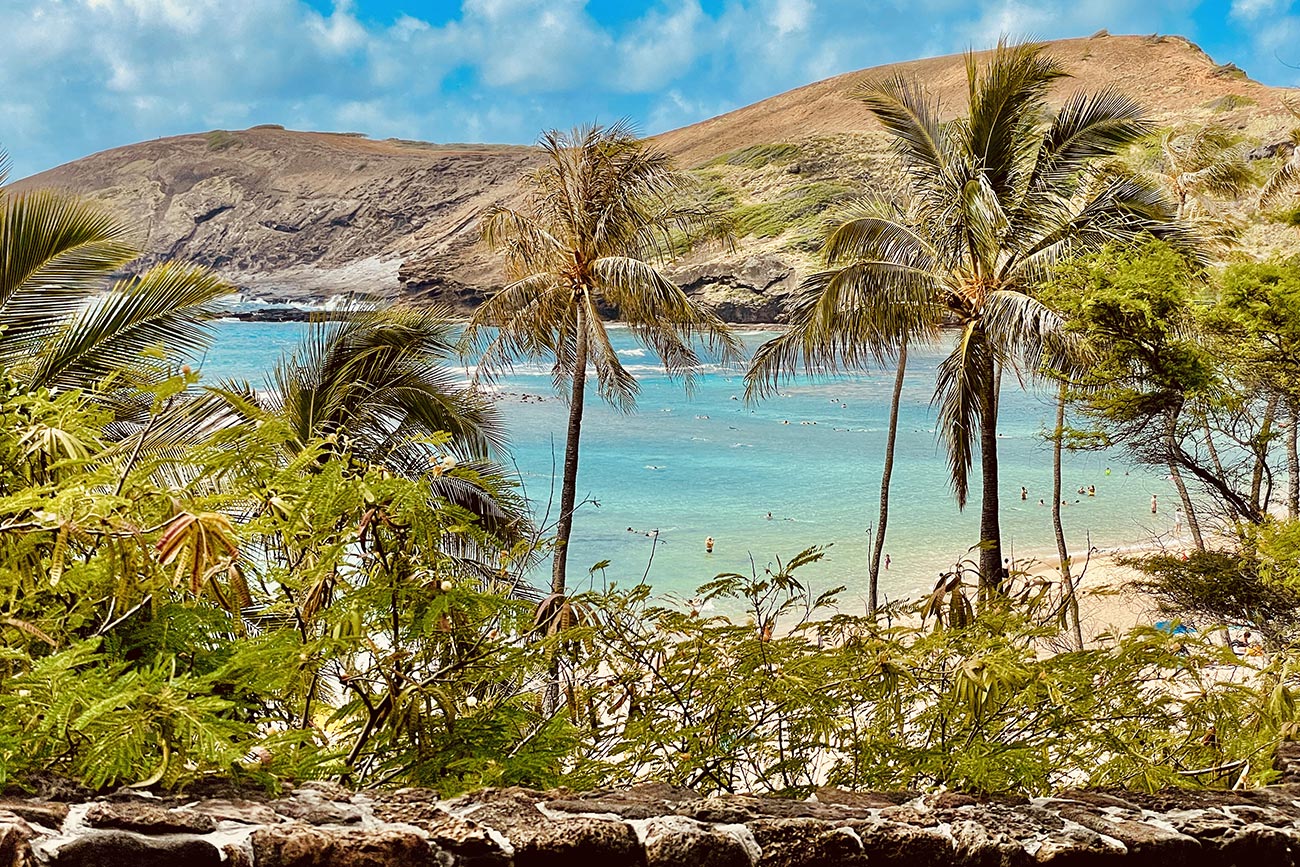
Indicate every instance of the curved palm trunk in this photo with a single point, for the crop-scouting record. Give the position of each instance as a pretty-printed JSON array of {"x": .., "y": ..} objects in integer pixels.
[
  {"x": 569, "y": 483},
  {"x": 1292, "y": 464},
  {"x": 1067, "y": 583},
  {"x": 874, "y": 568},
  {"x": 1171, "y": 448},
  {"x": 1216, "y": 462},
  {"x": 1257, "y": 499},
  {"x": 990, "y": 530}
]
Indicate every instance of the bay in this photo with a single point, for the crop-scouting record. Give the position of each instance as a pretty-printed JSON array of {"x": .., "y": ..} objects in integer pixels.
[{"x": 655, "y": 483}]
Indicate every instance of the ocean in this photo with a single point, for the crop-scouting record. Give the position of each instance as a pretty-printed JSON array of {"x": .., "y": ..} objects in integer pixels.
[{"x": 657, "y": 482}]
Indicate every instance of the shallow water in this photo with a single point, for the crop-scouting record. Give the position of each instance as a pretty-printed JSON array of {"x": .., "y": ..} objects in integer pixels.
[{"x": 710, "y": 465}]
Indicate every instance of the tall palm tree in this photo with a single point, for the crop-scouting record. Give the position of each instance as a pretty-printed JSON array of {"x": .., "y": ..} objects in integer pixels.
[
  {"x": 994, "y": 199},
  {"x": 65, "y": 323},
  {"x": 603, "y": 209}
]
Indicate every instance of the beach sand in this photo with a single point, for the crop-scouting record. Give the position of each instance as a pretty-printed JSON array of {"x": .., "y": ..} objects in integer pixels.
[{"x": 1108, "y": 604}]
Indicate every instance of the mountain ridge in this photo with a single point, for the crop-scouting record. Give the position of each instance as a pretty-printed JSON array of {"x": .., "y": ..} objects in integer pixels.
[{"x": 292, "y": 216}]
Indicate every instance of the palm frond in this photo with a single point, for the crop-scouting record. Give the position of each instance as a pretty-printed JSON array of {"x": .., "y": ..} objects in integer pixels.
[
  {"x": 1282, "y": 182},
  {"x": 1007, "y": 99},
  {"x": 54, "y": 248},
  {"x": 1089, "y": 127},
  {"x": 165, "y": 309},
  {"x": 911, "y": 116},
  {"x": 958, "y": 384}
]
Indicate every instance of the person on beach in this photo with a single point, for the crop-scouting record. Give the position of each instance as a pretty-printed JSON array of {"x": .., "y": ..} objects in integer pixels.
[
  {"x": 887, "y": 562},
  {"x": 1153, "y": 504},
  {"x": 708, "y": 545},
  {"x": 1178, "y": 520}
]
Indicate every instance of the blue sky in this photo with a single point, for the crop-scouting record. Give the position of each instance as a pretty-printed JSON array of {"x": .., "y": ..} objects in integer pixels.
[{"x": 84, "y": 75}]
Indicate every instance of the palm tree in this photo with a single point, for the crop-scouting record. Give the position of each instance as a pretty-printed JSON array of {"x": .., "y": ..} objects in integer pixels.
[
  {"x": 1285, "y": 179},
  {"x": 994, "y": 199},
  {"x": 378, "y": 383},
  {"x": 60, "y": 328},
  {"x": 602, "y": 208},
  {"x": 1203, "y": 163}
]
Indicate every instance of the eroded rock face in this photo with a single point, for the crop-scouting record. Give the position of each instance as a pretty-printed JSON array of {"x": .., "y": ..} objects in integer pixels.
[{"x": 322, "y": 825}]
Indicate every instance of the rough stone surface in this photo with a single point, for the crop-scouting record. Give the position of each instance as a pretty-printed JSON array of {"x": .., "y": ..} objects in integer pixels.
[
  {"x": 673, "y": 840},
  {"x": 566, "y": 842},
  {"x": 147, "y": 819},
  {"x": 50, "y": 814},
  {"x": 314, "y": 808},
  {"x": 234, "y": 810},
  {"x": 125, "y": 849},
  {"x": 15, "y": 851},
  {"x": 655, "y": 826},
  {"x": 303, "y": 846}
]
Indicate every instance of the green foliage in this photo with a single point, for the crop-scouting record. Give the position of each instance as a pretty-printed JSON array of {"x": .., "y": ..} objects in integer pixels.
[
  {"x": 166, "y": 612},
  {"x": 799, "y": 696},
  {"x": 757, "y": 156},
  {"x": 799, "y": 210},
  {"x": 278, "y": 613},
  {"x": 1228, "y": 102},
  {"x": 1289, "y": 216},
  {"x": 221, "y": 139},
  {"x": 1133, "y": 307},
  {"x": 1212, "y": 588}
]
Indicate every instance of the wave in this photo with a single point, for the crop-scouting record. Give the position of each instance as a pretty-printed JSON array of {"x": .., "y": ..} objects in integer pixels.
[{"x": 636, "y": 352}]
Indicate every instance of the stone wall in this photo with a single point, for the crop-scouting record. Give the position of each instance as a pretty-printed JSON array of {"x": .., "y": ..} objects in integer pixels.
[{"x": 652, "y": 825}]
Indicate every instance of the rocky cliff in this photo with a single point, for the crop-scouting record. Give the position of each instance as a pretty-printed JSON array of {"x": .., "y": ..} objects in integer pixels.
[{"x": 304, "y": 215}]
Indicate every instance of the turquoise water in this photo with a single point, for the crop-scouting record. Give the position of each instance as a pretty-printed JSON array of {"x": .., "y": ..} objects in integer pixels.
[{"x": 711, "y": 465}]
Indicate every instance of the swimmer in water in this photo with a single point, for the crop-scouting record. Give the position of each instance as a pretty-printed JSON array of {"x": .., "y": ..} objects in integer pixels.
[
  {"x": 1024, "y": 493},
  {"x": 887, "y": 562},
  {"x": 708, "y": 545}
]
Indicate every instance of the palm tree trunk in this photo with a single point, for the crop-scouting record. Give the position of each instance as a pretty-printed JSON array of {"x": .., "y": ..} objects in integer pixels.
[
  {"x": 990, "y": 531},
  {"x": 1215, "y": 461},
  {"x": 1261, "y": 456},
  {"x": 1292, "y": 463},
  {"x": 1067, "y": 583},
  {"x": 569, "y": 483},
  {"x": 874, "y": 568},
  {"x": 1171, "y": 448}
]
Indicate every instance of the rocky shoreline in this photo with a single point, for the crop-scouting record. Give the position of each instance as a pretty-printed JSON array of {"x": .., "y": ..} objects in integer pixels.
[{"x": 651, "y": 826}]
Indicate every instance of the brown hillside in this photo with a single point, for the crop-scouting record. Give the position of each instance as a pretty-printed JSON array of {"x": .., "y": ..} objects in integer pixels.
[
  {"x": 1173, "y": 77},
  {"x": 292, "y": 215}
]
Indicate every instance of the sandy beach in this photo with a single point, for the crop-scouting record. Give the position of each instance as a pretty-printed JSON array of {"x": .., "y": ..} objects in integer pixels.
[{"x": 1108, "y": 604}]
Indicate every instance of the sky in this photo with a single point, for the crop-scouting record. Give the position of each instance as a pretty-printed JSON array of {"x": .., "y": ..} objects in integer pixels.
[{"x": 81, "y": 76}]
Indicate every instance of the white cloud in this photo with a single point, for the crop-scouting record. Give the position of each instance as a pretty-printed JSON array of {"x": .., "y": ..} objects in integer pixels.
[
  {"x": 659, "y": 46},
  {"x": 91, "y": 74},
  {"x": 1250, "y": 10},
  {"x": 790, "y": 16}
]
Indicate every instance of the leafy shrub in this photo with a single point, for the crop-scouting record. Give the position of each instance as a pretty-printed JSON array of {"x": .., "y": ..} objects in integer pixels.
[
  {"x": 799, "y": 209},
  {"x": 267, "y": 608},
  {"x": 800, "y": 696},
  {"x": 757, "y": 156},
  {"x": 1228, "y": 102},
  {"x": 220, "y": 140}
]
